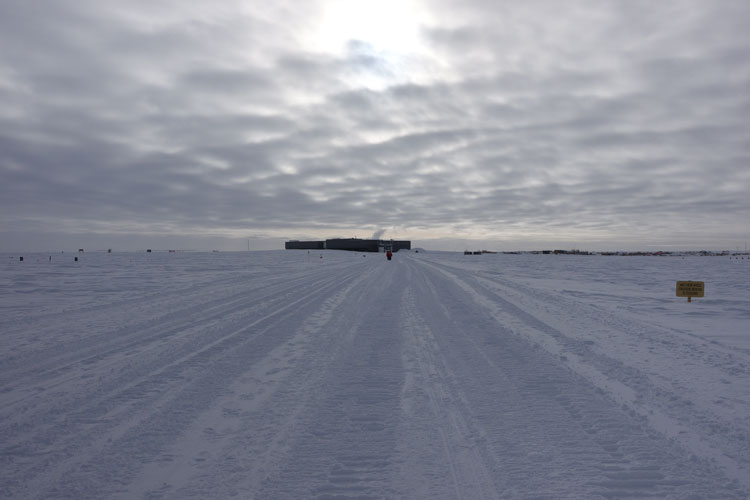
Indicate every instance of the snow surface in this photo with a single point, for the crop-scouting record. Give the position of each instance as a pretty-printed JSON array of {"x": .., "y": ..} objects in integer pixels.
[{"x": 331, "y": 375}]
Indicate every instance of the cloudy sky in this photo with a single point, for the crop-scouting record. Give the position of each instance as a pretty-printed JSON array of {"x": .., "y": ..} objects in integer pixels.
[{"x": 454, "y": 123}]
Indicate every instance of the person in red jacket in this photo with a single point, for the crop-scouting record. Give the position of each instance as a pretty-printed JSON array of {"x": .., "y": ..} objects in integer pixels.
[{"x": 388, "y": 254}]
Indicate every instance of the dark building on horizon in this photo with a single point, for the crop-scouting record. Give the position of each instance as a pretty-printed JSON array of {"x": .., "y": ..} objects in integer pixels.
[
  {"x": 350, "y": 244},
  {"x": 353, "y": 244},
  {"x": 305, "y": 245}
]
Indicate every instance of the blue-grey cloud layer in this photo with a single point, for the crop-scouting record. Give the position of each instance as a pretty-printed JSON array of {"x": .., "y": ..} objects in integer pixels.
[{"x": 579, "y": 121}]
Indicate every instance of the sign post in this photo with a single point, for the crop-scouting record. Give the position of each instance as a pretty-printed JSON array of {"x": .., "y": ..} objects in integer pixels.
[{"x": 690, "y": 289}]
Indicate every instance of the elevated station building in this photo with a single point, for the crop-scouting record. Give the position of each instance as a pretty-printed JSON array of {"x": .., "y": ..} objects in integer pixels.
[
  {"x": 351, "y": 244},
  {"x": 305, "y": 245}
]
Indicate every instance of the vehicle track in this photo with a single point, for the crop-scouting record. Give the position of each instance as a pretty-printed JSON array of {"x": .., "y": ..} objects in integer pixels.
[
  {"x": 410, "y": 379},
  {"x": 541, "y": 417},
  {"x": 126, "y": 397},
  {"x": 625, "y": 370},
  {"x": 344, "y": 444}
]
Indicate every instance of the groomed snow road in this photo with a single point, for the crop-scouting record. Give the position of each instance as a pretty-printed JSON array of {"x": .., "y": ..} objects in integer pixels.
[{"x": 280, "y": 375}]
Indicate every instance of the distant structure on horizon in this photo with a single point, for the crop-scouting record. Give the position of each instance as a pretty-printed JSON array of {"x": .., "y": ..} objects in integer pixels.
[{"x": 351, "y": 244}]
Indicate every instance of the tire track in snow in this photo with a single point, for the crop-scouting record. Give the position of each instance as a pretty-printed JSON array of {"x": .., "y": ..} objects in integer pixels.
[
  {"x": 101, "y": 401},
  {"x": 680, "y": 399},
  {"x": 146, "y": 403},
  {"x": 115, "y": 338},
  {"x": 433, "y": 403},
  {"x": 142, "y": 337},
  {"x": 667, "y": 407},
  {"x": 547, "y": 418},
  {"x": 345, "y": 442},
  {"x": 383, "y": 382},
  {"x": 245, "y": 436}
]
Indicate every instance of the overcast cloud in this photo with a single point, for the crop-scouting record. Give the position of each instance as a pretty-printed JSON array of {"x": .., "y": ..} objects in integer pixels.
[{"x": 595, "y": 124}]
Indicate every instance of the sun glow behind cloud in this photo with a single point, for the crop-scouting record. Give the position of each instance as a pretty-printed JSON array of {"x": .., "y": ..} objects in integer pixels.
[
  {"x": 385, "y": 36},
  {"x": 389, "y": 26}
]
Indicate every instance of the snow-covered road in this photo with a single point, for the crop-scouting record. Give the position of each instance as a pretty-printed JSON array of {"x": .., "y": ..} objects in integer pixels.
[{"x": 331, "y": 375}]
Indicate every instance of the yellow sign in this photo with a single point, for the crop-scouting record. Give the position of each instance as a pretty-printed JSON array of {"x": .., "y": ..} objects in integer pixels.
[{"x": 690, "y": 289}]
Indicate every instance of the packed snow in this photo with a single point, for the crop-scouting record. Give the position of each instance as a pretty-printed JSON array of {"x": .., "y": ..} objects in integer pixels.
[{"x": 332, "y": 375}]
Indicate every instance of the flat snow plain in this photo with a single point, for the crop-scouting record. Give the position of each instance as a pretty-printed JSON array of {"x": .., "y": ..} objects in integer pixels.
[{"x": 332, "y": 375}]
